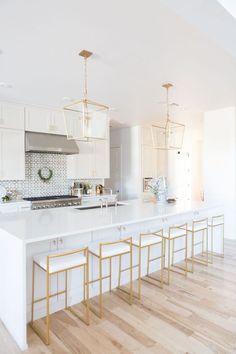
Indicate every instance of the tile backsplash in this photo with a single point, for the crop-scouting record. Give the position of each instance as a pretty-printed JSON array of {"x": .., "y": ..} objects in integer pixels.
[{"x": 33, "y": 186}]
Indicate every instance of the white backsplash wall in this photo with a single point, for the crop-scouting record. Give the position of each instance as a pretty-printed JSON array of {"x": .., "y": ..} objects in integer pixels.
[{"x": 33, "y": 186}]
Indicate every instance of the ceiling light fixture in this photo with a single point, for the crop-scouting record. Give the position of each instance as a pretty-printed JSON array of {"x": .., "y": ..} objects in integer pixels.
[
  {"x": 168, "y": 135},
  {"x": 86, "y": 120}
]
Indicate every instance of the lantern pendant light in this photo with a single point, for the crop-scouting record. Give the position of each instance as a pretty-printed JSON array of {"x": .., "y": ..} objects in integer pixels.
[
  {"x": 86, "y": 120},
  {"x": 168, "y": 135}
]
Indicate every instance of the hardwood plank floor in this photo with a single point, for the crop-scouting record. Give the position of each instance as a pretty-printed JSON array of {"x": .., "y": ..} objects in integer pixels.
[{"x": 196, "y": 315}]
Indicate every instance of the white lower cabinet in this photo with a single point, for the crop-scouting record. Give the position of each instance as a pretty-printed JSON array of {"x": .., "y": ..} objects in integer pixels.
[{"x": 12, "y": 154}]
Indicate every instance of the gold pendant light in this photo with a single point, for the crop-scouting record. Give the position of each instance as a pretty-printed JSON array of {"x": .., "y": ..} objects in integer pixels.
[
  {"x": 168, "y": 135},
  {"x": 86, "y": 120}
]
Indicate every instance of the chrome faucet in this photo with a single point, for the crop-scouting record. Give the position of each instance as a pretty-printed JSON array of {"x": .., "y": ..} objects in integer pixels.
[
  {"x": 101, "y": 203},
  {"x": 109, "y": 190}
]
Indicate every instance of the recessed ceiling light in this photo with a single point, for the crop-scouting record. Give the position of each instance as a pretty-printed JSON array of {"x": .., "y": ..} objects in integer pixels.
[{"x": 5, "y": 85}]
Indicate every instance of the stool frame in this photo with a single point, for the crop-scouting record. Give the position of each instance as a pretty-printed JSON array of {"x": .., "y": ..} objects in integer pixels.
[
  {"x": 159, "y": 234},
  {"x": 86, "y": 320},
  {"x": 101, "y": 258},
  {"x": 212, "y": 226},
  {"x": 170, "y": 262},
  {"x": 192, "y": 230}
]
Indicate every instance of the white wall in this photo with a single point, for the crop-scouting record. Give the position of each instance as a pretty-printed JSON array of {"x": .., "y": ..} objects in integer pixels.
[
  {"x": 128, "y": 140},
  {"x": 220, "y": 162}
]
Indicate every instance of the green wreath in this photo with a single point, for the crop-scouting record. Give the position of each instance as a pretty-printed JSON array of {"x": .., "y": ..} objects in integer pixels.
[{"x": 43, "y": 178}]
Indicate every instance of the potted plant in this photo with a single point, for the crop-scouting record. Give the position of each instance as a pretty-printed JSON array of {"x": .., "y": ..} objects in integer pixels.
[{"x": 158, "y": 187}]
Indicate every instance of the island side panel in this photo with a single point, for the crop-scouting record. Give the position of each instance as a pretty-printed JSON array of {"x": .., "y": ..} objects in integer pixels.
[{"x": 13, "y": 287}]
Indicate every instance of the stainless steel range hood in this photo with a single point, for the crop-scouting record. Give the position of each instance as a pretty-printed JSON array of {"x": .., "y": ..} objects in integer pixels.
[{"x": 50, "y": 143}]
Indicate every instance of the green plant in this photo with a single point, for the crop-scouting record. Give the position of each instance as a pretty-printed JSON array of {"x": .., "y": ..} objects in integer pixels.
[{"x": 44, "y": 178}]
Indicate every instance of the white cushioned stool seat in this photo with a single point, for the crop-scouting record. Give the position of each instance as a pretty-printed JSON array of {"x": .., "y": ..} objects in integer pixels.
[
  {"x": 111, "y": 250},
  {"x": 60, "y": 263},
  {"x": 174, "y": 233},
  {"x": 146, "y": 240}
]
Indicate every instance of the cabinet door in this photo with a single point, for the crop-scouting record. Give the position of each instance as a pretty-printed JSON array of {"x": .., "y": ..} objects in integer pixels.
[
  {"x": 146, "y": 134},
  {"x": 101, "y": 166},
  {"x": 37, "y": 119},
  {"x": 11, "y": 116},
  {"x": 12, "y": 152},
  {"x": 148, "y": 162},
  {"x": 56, "y": 123},
  {"x": 80, "y": 166}
]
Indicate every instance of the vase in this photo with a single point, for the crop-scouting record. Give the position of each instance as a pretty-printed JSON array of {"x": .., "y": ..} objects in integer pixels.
[{"x": 160, "y": 197}]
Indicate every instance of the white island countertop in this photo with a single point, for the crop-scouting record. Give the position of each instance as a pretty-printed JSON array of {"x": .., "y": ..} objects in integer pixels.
[{"x": 37, "y": 225}]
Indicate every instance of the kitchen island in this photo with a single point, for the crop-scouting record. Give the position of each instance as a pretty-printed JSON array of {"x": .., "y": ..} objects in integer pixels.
[{"x": 24, "y": 234}]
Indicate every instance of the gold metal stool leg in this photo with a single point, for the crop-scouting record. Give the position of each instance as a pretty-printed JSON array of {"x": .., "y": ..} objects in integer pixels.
[
  {"x": 110, "y": 272},
  {"x": 66, "y": 289},
  {"x": 168, "y": 278},
  {"x": 139, "y": 272},
  {"x": 100, "y": 282},
  {"x": 131, "y": 275},
  {"x": 193, "y": 238},
  {"x": 186, "y": 254},
  {"x": 32, "y": 304},
  {"x": 86, "y": 286},
  {"x": 162, "y": 261},
  {"x": 47, "y": 305},
  {"x": 119, "y": 279}
]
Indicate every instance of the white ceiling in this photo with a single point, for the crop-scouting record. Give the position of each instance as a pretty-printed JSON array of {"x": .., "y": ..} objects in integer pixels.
[{"x": 138, "y": 45}]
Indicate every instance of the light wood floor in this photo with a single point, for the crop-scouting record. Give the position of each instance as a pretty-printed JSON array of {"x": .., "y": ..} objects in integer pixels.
[{"x": 193, "y": 315}]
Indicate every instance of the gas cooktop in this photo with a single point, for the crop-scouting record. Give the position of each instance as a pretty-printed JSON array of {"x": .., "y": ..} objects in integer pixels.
[
  {"x": 51, "y": 197},
  {"x": 53, "y": 201}
]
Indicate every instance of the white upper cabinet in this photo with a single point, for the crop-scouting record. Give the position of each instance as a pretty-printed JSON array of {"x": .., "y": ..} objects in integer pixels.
[
  {"x": 101, "y": 159},
  {"x": 79, "y": 166},
  {"x": 12, "y": 154},
  {"x": 11, "y": 116},
  {"x": 146, "y": 136},
  {"x": 43, "y": 120},
  {"x": 57, "y": 123},
  {"x": 149, "y": 162},
  {"x": 91, "y": 162}
]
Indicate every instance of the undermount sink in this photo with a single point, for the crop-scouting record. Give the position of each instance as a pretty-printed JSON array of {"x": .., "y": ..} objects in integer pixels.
[{"x": 99, "y": 207}]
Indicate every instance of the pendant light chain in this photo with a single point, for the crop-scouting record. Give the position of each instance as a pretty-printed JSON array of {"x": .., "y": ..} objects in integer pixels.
[
  {"x": 85, "y": 79},
  {"x": 167, "y": 103}
]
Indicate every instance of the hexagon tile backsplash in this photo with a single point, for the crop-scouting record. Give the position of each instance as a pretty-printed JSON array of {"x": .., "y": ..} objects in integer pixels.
[{"x": 33, "y": 186}]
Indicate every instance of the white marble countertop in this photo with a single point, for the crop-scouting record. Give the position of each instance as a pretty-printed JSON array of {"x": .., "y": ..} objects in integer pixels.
[
  {"x": 14, "y": 202},
  {"x": 37, "y": 225}
]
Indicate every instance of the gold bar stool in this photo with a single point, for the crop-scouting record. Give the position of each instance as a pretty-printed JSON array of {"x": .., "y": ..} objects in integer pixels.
[
  {"x": 170, "y": 237},
  {"x": 107, "y": 251},
  {"x": 55, "y": 263},
  {"x": 216, "y": 222},
  {"x": 148, "y": 240},
  {"x": 196, "y": 227}
]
